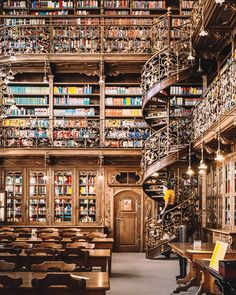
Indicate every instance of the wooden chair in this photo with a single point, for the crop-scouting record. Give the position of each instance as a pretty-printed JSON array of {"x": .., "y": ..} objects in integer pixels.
[
  {"x": 20, "y": 245},
  {"x": 4, "y": 265},
  {"x": 6, "y": 238},
  {"x": 10, "y": 229},
  {"x": 39, "y": 255},
  {"x": 52, "y": 284},
  {"x": 53, "y": 266},
  {"x": 23, "y": 232},
  {"x": 47, "y": 231},
  {"x": 9, "y": 283},
  {"x": 68, "y": 233},
  {"x": 50, "y": 237},
  {"x": 96, "y": 235},
  {"x": 77, "y": 256},
  {"x": 80, "y": 245},
  {"x": 48, "y": 245},
  {"x": 81, "y": 238}
]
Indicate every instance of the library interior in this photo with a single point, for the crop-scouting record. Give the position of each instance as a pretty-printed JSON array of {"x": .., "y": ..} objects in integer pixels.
[{"x": 117, "y": 141}]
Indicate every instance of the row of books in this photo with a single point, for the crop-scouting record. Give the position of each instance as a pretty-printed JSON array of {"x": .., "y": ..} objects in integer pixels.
[
  {"x": 149, "y": 4},
  {"x": 59, "y": 12},
  {"x": 67, "y": 123},
  {"x": 127, "y": 134},
  {"x": 52, "y": 4},
  {"x": 72, "y": 143},
  {"x": 29, "y": 90},
  {"x": 88, "y": 179},
  {"x": 116, "y": 3},
  {"x": 72, "y": 101},
  {"x": 63, "y": 179},
  {"x": 123, "y": 112},
  {"x": 23, "y": 21},
  {"x": 185, "y": 90},
  {"x": 75, "y": 112},
  {"x": 124, "y": 101},
  {"x": 125, "y": 124},
  {"x": 88, "y": 4},
  {"x": 86, "y": 89},
  {"x": 187, "y": 4},
  {"x": 124, "y": 143},
  {"x": 31, "y": 123},
  {"x": 27, "y": 112},
  {"x": 60, "y": 191},
  {"x": 185, "y": 101},
  {"x": 29, "y": 100},
  {"x": 127, "y": 46},
  {"x": 15, "y": 3},
  {"x": 128, "y": 21},
  {"x": 128, "y": 33},
  {"x": 123, "y": 90},
  {"x": 87, "y": 190},
  {"x": 27, "y": 133},
  {"x": 75, "y": 133}
]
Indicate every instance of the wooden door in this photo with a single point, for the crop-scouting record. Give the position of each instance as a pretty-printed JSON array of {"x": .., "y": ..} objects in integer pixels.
[{"x": 127, "y": 220}]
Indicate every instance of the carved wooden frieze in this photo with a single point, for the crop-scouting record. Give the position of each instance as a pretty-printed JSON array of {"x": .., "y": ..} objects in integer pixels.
[{"x": 125, "y": 178}]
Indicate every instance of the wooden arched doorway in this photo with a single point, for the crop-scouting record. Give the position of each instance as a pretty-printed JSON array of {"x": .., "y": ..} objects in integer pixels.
[{"x": 127, "y": 222}]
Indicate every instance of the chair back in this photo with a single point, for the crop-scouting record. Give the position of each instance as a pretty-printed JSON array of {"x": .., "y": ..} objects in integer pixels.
[
  {"x": 53, "y": 282},
  {"x": 4, "y": 265},
  {"x": 41, "y": 251},
  {"x": 53, "y": 266},
  {"x": 81, "y": 238},
  {"x": 8, "y": 282},
  {"x": 48, "y": 245},
  {"x": 81, "y": 245},
  {"x": 20, "y": 245},
  {"x": 50, "y": 237},
  {"x": 76, "y": 255}
]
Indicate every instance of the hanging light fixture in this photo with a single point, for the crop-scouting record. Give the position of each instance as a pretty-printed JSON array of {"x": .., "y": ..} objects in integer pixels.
[
  {"x": 100, "y": 175},
  {"x": 219, "y": 156},
  {"x": 190, "y": 171},
  {"x": 199, "y": 70},
  {"x": 190, "y": 56},
  {"x": 203, "y": 32},
  {"x": 219, "y": 1},
  {"x": 45, "y": 80},
  {"x": 202, "y": 166}
]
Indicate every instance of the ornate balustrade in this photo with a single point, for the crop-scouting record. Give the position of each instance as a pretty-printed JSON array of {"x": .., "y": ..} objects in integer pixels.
[
  {"x": 26, "y": 37},
  {"x": 218, "y": 99},
  {"x": 182, "y": 213},
  {"x": 167, "y": 140},
  {"x": 174, "y": 58}
]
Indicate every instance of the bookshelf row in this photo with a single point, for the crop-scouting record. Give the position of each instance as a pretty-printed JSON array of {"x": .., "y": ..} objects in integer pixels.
[
  {"x": 35, "y": 199},
  {"x": 92, "y": 7}
]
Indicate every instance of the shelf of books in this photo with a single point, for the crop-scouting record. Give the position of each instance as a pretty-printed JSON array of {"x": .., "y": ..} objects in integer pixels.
[
  {"x": 37, "y": 197},
  {"x": 186, "y": 7},
  {"x": 76, "y": 110},
  {"x": 15, "y": 7},
  {"x": 88, "y": 7},
  {"x": 87, "y": 196},
  {"x": 15, "y": 197},
  {"x": 124, "y": 127},
  {"x": 63, "y": 196},
  {"x": 56, "y": 7}
]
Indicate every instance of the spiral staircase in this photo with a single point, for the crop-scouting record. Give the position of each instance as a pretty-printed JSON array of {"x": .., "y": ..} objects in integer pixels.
[{"x": 173, "y": 63}]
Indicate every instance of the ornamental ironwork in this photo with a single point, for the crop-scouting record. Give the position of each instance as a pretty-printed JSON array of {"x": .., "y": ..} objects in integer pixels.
[{"x": 218, "y": 99}]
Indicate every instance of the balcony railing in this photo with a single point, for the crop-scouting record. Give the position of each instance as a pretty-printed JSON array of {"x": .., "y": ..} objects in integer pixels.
[
  {"x": 174, "y": 56},
  {"x": 217, "y": 100},
  {"x": 28, "y": 36},
  {"x": 166, "y": 141},
  {"x": 72, "y": 133}
]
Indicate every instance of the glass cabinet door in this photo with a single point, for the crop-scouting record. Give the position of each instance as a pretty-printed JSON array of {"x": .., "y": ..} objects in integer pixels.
[
  {"x": 63, "y": 196},
  {"x": 37, "y": 198},
  {"x": 2, "y": 206},
  {"x": 87, "y": 196},
  {"x": 14, "y": 189}
]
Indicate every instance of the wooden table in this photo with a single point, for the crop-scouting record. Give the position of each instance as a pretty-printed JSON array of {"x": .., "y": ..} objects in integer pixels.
[
  {"x": 97, "y": 257},
  {"x": 195, "y": 277},
  {"x": 226, "y": 286},
  {"x": 97, "y": 284}
]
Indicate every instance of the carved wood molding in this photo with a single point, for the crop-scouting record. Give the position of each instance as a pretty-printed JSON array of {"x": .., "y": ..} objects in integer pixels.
[{"x": 113, "y": 179}]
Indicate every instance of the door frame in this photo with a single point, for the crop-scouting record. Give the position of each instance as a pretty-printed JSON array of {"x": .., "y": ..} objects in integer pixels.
[{"x": 140, "y": 204}]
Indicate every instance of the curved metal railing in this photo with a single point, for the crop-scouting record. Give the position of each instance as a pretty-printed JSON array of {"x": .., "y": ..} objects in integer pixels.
[
  {"x": 167, "y": 140},
  {"x": 181, "y": 214},
  {"x": 171, "y": 60},
  {"x": 218, "y": 99}
]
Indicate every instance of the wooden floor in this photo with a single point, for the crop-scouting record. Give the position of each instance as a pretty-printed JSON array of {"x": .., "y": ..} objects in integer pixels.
[{"x": 133, "y": 274}]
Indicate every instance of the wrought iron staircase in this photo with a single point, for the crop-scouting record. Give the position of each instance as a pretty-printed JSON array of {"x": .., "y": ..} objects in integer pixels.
[
  {"x": 158, "y": 226},
  {"x": 173, "y": 62}
]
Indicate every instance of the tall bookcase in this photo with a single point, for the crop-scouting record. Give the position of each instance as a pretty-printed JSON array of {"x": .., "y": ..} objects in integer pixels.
[
  {"x": 15, "y": 196},
  {"x": 37, "y": 197},
  {"x": 87, "y": 196}
]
